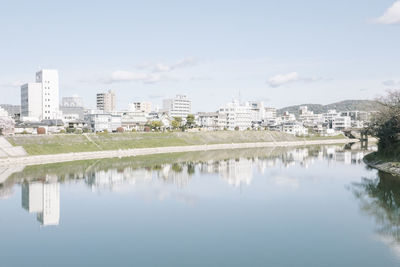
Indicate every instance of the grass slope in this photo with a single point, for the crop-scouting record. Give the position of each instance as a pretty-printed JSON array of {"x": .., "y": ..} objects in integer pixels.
[{"x": 54, "y": 144}]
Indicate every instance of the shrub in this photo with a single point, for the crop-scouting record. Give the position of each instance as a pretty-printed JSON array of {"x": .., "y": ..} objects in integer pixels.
[
  {"x": 41, "y": 130},
  {"x": 70, "y": 130}
]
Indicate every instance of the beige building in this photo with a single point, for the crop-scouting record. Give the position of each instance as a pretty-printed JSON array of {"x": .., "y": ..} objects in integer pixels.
[
  {"x": 140, "y": 106},
  {"x": 106, "y": 101}
]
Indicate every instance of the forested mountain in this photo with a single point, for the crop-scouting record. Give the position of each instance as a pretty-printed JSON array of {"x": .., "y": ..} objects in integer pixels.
[{"x": 346, "y": 105}]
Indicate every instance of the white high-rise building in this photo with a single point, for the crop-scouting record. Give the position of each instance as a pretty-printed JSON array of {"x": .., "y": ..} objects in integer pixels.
[
  {"x": 39, "y": 100},
  {"x": 106, "y": 101},
  {"x": 180, "y": 106}
]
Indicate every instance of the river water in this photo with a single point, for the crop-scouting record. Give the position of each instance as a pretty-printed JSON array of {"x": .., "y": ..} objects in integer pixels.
[{"x": 308, "y": 206}]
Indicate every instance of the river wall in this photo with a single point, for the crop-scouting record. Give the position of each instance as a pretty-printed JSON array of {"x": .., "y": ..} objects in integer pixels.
[{"x": 65, "y": 157}]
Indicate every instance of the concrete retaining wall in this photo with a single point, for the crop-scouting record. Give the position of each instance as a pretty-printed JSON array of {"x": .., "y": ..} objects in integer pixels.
[
  {"x": 8, "y": 150},
  {"x": 46, "y": 159}
]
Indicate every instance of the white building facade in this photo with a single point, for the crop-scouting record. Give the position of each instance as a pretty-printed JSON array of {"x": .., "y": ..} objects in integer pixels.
[
  {"x": 238, "y": 116},
  {"x": 100, "y": 121},
  {"x": 180, "y": 106},
  {"x": 40, "y": 100}
]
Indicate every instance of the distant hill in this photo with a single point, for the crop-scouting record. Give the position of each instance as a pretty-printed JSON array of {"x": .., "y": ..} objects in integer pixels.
[{"x": 346, "y": 105}]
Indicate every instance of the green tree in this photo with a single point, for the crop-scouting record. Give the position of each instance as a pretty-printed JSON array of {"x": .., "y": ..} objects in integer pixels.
[
  {"x": 386, "y": 123},
  {"x": 190, "y": 121},
  {"x": 156, "y": 125},
  {"x": 176, "y": 123}
]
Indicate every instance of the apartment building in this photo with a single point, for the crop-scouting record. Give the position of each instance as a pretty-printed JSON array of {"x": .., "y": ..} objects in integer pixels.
[
  {"x": 238, "y": 116},
  {"x": 106, "y": 101},
  {"x": 180, "y": 106},
  {"x": 341, "y": 123},
  {"x": 141, "y": 106},
  {"x": 40, "y": 100}
]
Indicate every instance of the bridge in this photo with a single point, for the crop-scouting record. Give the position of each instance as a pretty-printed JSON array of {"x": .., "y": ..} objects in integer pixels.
[{"x": 358, "y": 133}]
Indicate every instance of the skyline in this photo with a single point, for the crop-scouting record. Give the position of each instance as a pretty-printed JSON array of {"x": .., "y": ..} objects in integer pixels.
[{"x": 279, "y": 53}]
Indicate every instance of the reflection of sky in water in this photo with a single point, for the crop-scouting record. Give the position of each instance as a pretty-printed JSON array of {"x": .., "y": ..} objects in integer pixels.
[{"x": 292, "y": 207}]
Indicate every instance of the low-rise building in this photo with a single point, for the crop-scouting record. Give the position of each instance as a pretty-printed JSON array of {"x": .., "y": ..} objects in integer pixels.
[
  {"x": 288, "y": 117},
  {"x": 295, "y": 128},
  {"x": 134, "y": 120},
  {"x": 341, "y": 123},
  {"x": 100, "y": 121},
  {"x": 238, "y": 116},
  {"x": 330, "y": 115}
]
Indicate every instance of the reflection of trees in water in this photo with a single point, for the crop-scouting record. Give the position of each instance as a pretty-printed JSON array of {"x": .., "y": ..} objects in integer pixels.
[
  {"x": 380, "y": 198},
  {"x": 234, "y": 166}
]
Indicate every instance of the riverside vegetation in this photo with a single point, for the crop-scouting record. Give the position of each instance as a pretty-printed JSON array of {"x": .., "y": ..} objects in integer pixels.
[{"x": 386, "y": 127}]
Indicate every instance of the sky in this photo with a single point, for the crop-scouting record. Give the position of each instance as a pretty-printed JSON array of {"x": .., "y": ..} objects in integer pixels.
[{"x": 280, "y": 52}]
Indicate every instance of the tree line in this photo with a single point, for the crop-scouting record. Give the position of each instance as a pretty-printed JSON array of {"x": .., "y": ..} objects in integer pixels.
[{"x": 385, "y": 124}]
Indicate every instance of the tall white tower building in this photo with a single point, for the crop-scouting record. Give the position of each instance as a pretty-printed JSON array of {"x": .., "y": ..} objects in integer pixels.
[{"x": 40, "y": 100}]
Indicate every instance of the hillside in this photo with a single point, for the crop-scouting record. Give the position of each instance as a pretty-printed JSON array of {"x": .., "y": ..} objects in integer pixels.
[{"x": 346, "y": 105}]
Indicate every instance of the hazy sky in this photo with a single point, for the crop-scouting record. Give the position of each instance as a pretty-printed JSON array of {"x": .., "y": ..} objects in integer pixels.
[{"x": 281, "y": 52}]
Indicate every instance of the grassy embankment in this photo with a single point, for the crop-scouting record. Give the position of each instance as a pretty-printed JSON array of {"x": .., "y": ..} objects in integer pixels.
[
  {"x": 380, "y": 157},
  {"x": 65, "y": 143},
  {"x": 385, "y": 160}
]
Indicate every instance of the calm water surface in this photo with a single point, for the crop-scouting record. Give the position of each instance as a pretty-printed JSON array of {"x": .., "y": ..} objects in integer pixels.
[{"x": 315, "y": 206}]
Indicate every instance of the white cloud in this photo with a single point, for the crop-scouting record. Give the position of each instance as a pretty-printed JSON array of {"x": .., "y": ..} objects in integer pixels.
[
  {"x": 282, "y": 79},
  {"x": 391, "y": 15},
  {"x": 163, "y": 67},
  {"x": 129, "y": 76},
  {"x": 148, "y": 73}
]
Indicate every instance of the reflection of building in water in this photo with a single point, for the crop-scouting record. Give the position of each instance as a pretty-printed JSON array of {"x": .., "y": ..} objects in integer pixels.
[
  {"x": 176, "y": 173},
  {"x": 105, "y": 179},
  {"x": 113, "y": 178},
  {"x": 236, "y": 172},
  {"x": 42, "y": 198},
  {"x": 343, "y": 156}
]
